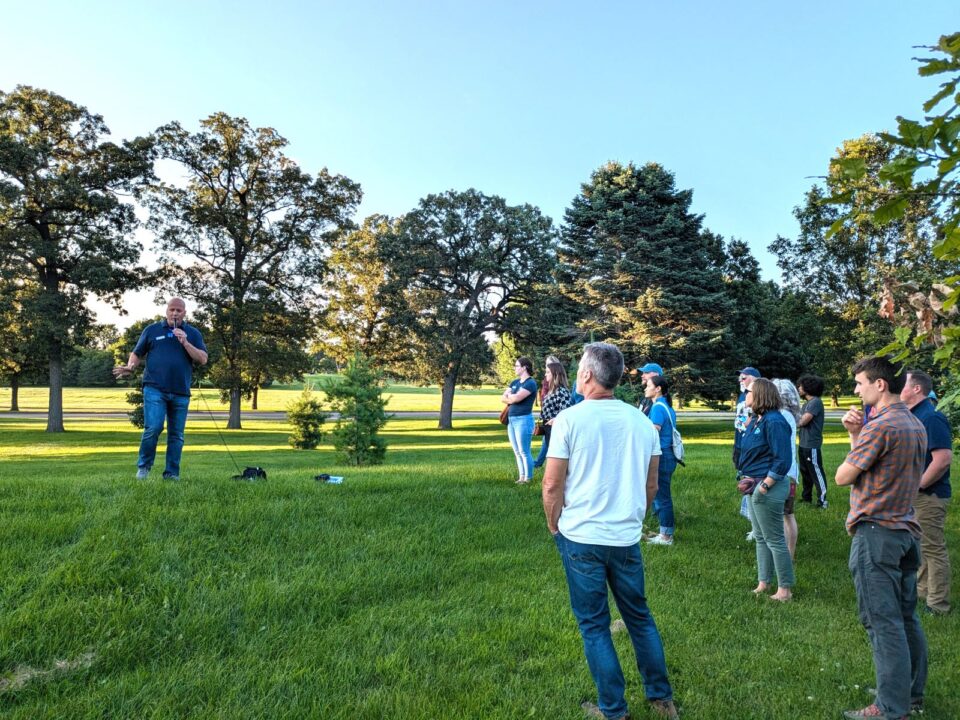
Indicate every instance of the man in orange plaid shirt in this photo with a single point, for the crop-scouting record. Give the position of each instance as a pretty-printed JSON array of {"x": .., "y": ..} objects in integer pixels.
[{"x": 883, "y": 470}]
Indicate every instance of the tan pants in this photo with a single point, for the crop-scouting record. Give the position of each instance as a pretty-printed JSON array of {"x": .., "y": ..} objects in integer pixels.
[{"x": 933, "y": 579}]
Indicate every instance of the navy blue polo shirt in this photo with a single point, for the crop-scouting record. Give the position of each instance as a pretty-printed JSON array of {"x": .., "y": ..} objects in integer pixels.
[
  {"x": 766, "y": 448},
  {"x": 939, "y": 437},
  {"x": 169, "y": 367}
]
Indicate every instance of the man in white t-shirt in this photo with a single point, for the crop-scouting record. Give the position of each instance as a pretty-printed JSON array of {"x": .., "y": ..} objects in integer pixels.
[{"x": 601, "y": 474}]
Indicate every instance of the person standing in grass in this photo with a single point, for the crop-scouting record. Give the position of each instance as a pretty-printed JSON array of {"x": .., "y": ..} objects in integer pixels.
[
  {"x": 520, "y": 396},
  {"x": 601, "y": 474},
  {"x": 544, "y": 391},
  {"x": 741, "y": 417},
  {"x": 790, "y": 409},
  {"x": 556, "y": 398},
  {"x": 883, "y": 470},
  {"x": 664, "y": 419},
  {"x": 650, "y": 370},
  {"x": 811, "y": 440},
  {"x": 933, "y": 499},
  {"x": 765, "y": 458},
  {"x": 742, "y": 414},
  {"x": 171, "y": 348}
]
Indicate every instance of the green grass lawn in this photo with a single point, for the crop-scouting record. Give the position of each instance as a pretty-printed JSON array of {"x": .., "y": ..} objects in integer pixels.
[
  {"x": 400, "y": 398},
  {"x": 424, "y": 588}
]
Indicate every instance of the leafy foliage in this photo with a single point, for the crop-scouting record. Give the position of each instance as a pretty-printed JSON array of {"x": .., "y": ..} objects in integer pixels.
[
  {"x": 307, "y": 416},
  {"x": 634, "y": 261},
  {"x": 361, "y": 306},
  {"x": 256, "y": 229},
  {"x": 21, "y": 356},
  {"x": 925, "y": 170},
  {"x": 844, "y": 258},
  {"x": 90, "y": 368},
  {"x": 357, "y": 396},
  {"x": 464, "y": 264},
  {"x": 63, "y": 221}
]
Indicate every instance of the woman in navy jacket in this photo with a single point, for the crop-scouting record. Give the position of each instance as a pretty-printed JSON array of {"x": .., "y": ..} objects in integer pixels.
[{"x": 765, "y": 456}]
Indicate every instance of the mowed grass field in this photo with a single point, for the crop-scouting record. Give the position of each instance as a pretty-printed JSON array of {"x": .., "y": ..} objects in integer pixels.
[
  {"x": 424, "y": 588},
  {"x": 400, "y": 398}
]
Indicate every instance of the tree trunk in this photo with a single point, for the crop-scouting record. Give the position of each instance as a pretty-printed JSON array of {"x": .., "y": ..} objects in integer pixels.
[
  {"x": 234, "y": 422},
  {"x": 15, "y": 393},
  {"x": 256, "y": 391},
  {"x": 836, "y": 400},
  {"x": 55, "y": 402},
  {"x": 446, "y": 396}
]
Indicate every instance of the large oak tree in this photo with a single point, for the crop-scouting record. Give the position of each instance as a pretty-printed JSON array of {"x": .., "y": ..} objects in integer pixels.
[
  {"x": 64, "y": 220},
  {"x": 245, "y": 237},
  {"x": 464, "y": 264}
]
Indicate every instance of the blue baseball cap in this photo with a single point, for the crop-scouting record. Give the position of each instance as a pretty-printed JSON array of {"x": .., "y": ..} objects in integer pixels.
[
  {"x": 750, "y": 371},
  {"x": 652, "y": 367}
]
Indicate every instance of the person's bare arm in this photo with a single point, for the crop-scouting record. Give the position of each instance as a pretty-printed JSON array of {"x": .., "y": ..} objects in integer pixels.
[
  {"x": 805, "y": 419},
  {"x": 847, "y": 474},
  {"x": 554, "y": 483},
  {"x": 653, "y": 483},
  {"x": 519, "y": 396},
  {"x": 942, "y": 457},
  {"x": 126, "y": 370},
  {"x": 196, "y": 354}
]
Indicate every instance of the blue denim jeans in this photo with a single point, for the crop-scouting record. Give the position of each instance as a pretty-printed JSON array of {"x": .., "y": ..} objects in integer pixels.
[
  {"x": 663, "y": 502},
  {"x": 157, "y": 407},
  {"x": 590, "y": 569},
  {"x": 520, "y": 432},
  {"x": 884, "y": 563},
  {"x": 542, "y": 456},
  {"x": 766, "y": 514}
]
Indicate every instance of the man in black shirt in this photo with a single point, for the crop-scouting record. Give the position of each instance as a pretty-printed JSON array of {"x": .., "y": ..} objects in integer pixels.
[{"x": 810, "y": 428}]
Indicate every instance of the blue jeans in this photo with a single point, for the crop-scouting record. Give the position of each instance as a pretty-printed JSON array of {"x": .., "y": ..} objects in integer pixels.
[
  {"x": 589, "y": 569},
  {"x": 542, "y": 457},
  {"x": 663, "y": 502},
  {"x": 884, "y": 565},
  {"x": 520, "y": 432},
  {"x": 157, "y": 407}
]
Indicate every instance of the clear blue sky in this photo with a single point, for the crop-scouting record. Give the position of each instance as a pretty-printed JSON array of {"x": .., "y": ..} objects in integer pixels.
[{"x": 743, "y": 101}]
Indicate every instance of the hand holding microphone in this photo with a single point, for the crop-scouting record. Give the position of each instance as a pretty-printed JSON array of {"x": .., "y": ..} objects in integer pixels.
[{"x": 179, "y": 333}]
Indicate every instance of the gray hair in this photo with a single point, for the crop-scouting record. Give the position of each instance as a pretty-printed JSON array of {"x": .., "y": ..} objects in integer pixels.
[
  {"x": 605, "y": 362},
  {"x": 789, "y": 396}
]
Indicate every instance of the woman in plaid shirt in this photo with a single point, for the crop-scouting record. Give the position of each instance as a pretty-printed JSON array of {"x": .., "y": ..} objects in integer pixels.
[{"x": 556, "y": 399}]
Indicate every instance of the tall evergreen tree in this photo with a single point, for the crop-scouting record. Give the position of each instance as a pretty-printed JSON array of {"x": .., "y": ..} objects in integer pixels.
[{"x": 634, "y": 258}]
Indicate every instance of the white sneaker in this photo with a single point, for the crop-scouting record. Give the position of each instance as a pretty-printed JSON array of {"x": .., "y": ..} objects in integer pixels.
[
  {"x": 661, "y": 540},
  {"x": 751, "y": 537}
]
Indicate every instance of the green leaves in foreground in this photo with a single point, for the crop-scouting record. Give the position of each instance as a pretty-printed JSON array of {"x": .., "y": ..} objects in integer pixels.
[{"x": 923, "y": 171}]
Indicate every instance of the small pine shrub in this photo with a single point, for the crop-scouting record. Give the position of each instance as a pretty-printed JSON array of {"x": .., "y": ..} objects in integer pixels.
[
  {"x": 307, "y": 417},
  {"x": 357, "y": 397},
  {"x": 135, "y": 398}
]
